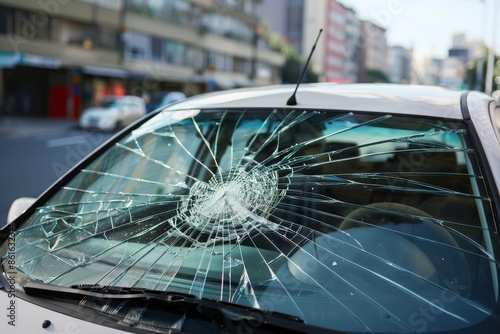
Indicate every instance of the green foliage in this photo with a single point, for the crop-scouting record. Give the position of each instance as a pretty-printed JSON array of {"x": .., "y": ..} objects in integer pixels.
[
  {"x": 293, "y": 68},
  {"x": 376, "y": 75},
  {"x": 279, "y": 44},
  {"x": 474, "y": 74},
  {"x": 294, "y": 61}
]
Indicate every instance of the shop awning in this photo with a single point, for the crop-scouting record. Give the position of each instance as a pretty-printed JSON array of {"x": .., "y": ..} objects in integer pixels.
[
  {"x": 10, "y": 59},
  {"x": 7, "y": 59}
]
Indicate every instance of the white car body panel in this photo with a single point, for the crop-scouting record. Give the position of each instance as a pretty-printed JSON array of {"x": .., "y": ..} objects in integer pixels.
[
  {"x": 18, "y": 207},
  {"x": 386, "y": 98},
  {"x": 28, "y": 318},
  {"x": 383, "y": 99},
  {"x": 478, "y": 110}
]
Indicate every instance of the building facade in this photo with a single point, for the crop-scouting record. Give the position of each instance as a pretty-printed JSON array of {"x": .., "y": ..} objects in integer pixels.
[
  {"x": 337, "y": 55},
  {"x": 285, "y": 17},
  {"x": 353, "y": 46},
  {"x": 374, "y": 51},
  {"x": 349, "y": 49},
  {"x": 431, "y": 71},
  {"x": 400, "y": 65},
  {"x": 335, "y": 42},
  {"x": 453, "y": 71},
  {"x": 315, "y": 17},
  {"x": 56, "y": 56},
  {"x": 295, "y": 24}
]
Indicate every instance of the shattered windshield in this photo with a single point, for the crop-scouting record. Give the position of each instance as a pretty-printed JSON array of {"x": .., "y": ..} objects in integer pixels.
[{"x": 353, "y": 222}]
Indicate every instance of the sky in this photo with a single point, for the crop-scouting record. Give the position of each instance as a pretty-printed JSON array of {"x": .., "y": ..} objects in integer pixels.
[{"x": 428, "y": 25}]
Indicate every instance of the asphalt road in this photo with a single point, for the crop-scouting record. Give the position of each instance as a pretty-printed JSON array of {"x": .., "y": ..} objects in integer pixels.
[{"x": 35, "y": 156}]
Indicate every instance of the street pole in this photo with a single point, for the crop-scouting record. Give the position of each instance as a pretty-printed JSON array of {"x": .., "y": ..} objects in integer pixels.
[
  {"x": 121, "y": 32},
  {"x": 479, "y": 54},
  {"x": 488, "y": 84}
]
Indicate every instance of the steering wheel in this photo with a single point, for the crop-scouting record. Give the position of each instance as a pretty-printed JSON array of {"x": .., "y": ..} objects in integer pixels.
[{"x": 383, "y": 242}]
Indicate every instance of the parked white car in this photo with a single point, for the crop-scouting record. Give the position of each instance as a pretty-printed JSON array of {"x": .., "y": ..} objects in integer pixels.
[
  {"x": 355, "y": 209},
  {"x": 113, "y": 113},
  {"x": 163, "y": 99}
]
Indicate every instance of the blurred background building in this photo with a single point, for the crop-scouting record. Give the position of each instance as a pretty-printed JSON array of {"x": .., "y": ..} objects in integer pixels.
[
  {"x": 400, "y": 65},
  {"x": 350, "y": 50},
  {"x": 58, "y": 56},
  {"x": 285, "y": 17},
  {"x": 374, "y": 53},
  {"x": 356, "y": 50},
  {"x": 463, "y": 68}
]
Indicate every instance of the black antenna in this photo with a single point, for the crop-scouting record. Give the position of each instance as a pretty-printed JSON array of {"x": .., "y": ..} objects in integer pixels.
[{"x": 292, "y": 101}]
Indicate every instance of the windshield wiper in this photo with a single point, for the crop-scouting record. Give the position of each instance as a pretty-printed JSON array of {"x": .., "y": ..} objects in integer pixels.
[{"x": 179, "y": 301}]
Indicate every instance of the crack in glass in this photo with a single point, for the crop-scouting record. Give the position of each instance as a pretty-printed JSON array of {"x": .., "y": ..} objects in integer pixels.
[{"x": 230, "y": 206}]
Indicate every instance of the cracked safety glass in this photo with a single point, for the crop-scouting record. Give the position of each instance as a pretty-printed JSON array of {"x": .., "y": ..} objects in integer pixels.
[{"x": 353, "y": 222}]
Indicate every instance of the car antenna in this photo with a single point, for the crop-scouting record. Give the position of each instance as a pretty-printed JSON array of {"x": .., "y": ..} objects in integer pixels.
[{"x": 292, "y": 101}]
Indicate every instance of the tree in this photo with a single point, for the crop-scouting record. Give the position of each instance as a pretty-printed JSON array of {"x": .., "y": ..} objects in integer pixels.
[
  {"x": 476, "y": 71},
  {"x": 292, "y": 69},
  {"x": 294, "y": 61},
  {"x": 376, "y": 75}
]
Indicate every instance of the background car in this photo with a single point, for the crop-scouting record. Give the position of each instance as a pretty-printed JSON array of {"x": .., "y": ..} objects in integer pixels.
[
  {"x": 358, "y": 208},
  {"x": 163, "y": 99},
  {"x": 113, "y": 112}
]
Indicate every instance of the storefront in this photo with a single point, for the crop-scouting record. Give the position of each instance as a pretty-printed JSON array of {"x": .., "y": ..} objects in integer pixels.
[
  {"x": 36, "y": 86},
  {"x": 26, "y": 84},
  {"x": 98, "y": 82},
  {"x": 33, "y": 86}
]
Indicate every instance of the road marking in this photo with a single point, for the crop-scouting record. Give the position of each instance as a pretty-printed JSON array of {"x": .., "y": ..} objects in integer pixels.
[{"x": 66, "y": 141}]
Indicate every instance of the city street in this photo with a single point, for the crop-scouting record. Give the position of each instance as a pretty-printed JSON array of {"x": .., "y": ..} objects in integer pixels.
[{"x": 35, "y": 153}]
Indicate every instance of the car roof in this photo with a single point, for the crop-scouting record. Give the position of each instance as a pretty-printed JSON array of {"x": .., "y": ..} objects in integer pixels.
[
  {"x": 115, "y": 97},
  {"x": 387, "y": 98}
]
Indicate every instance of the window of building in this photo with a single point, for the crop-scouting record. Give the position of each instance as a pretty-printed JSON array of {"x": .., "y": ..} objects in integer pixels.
[
  {"x": 107, "y": 38},
  {"x": 140, "y": 46},
  {"x": 137, "y": 46},
  {"x": 228, "y": 26},
  {"x": 157, "y": 48},
  {"x": 241, "y": 65},
  {"x": 194, "y": 57},
  {"x": 178, "y": 11},
  {"x": 27, "y": 25},
  {"x": 6, "y": 20},
  {"x": 88, "y": 36},
  {"x": 175, "y": 52}
]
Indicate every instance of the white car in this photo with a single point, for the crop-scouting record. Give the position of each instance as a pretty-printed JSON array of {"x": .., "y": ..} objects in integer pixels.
[
  {"x": 113, "y": 113},
  {"x": 354, "y": 209},
  {"x": 163, "y": 99}
]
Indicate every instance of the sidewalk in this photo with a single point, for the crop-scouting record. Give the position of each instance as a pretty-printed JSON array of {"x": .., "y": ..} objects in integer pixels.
[{"x": 26, "y": 126}]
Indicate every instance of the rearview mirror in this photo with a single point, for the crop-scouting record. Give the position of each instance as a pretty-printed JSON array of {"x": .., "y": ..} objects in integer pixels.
[{"x": 18, "y": 207}]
